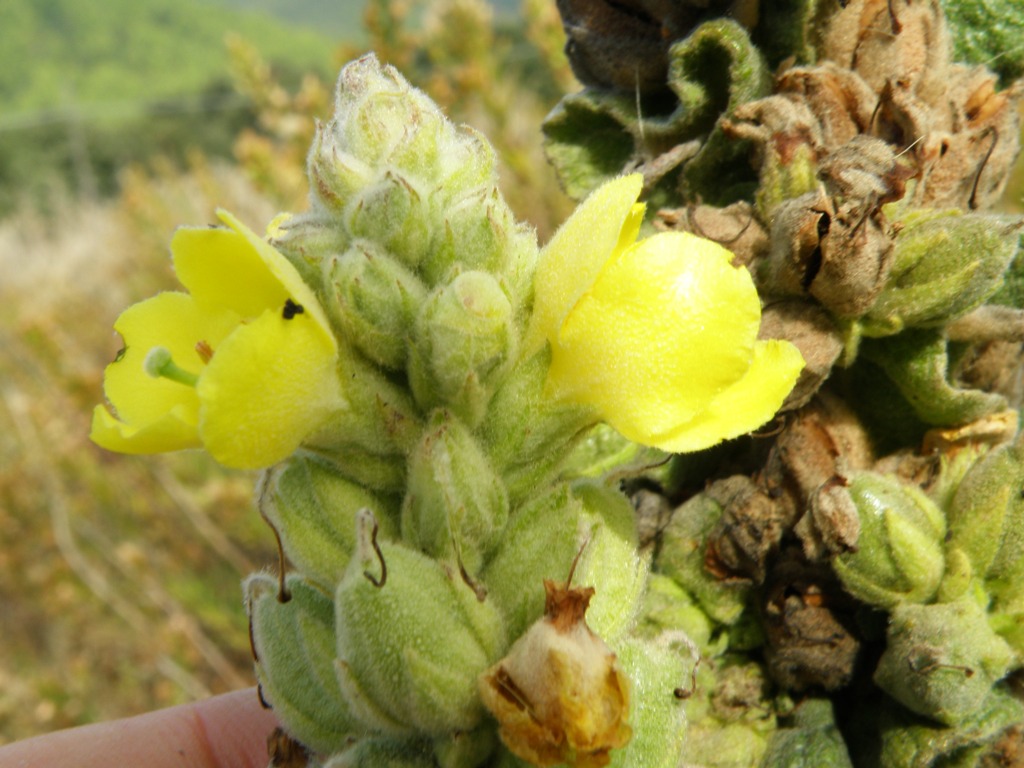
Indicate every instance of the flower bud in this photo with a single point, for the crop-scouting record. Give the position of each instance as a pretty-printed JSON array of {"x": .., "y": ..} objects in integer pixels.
[
  {"x": 455, "y": 507},
  {"x": 587, "y": 523},
  {"x": 908, "y": 739},
  {"x": 945, "y": 264},
  {"x": 412, "y": 638},
  {"x": 986, "y": 522},
  {"x": 395, "y": 214},
  {"x": 898, "y": 557},
  {"x": 478, "y": 235},
  {"x": 465, "y": 339},
  {"x": 527, "y": 458},
  {"x": 313, "y": 509},
  {"x": 370, "y": 440},
  {"x": 560, "y": 696},
  {"x": 374, "y": 300},
  {"x": 682, "y": 557},
  {"x": 293, "y": 642},
  {"x": 667, "y": 607},
  {"x": 335, "y": 175},
  {"x": 941, "y": 660}
]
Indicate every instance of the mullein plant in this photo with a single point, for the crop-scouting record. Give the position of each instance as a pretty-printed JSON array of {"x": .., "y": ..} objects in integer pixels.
[
  {"x": 441, "y": 413},
  {"x": 446, "y": 417}
]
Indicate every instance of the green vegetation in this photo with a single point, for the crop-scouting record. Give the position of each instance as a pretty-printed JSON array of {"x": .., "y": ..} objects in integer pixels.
[{"x": 88, "y": 88}]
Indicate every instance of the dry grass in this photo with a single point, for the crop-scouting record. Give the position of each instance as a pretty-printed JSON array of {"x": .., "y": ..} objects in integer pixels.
[{"x": 119, "y": 576}]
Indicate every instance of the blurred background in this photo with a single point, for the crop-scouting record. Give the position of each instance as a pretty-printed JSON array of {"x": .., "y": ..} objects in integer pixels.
[{"x": 119, "y": 575}]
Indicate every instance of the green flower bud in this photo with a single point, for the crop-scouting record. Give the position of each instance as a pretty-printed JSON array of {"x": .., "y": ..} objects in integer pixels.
[
  {"x": 480, "y": 232},
  {"x": 528, "y": 458},
  {"x": 335, "y": 175},
  {"x": 814, "y": 741},
  {"x": 394, "y": 214},
  {"x": 293, "y": 642},
  {"x": 466, "y": 750},
  {"x": 412, "y": 638},
  {"x": 986, "y": 522},
  {"x": 456, "y": 506},
  {"x": 941, "y": 660},
  {"x": 465, "y": 339},
  {"x": 542, "y": 540},
  {"x": 945, "y": 264},
  {"x": 898, "y": 557},
  {"x": 374, "y": 300},
  {"x": 911, "y": 740},
  {"x": 682, "y": 556},
  {"x": 313, "y": 509}
]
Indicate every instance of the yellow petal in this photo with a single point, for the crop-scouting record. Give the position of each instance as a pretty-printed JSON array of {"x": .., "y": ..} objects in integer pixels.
[
  {"x": 744, "y": 406},
  {"x": 239, "y": 270},
  {"x": 171, "y": 320},
  {"x": 577, "y": 252},
  {"x": 667, "y": 326},
  {"x": 267, "y": 388},
  {"x": 172, "y": 431}
]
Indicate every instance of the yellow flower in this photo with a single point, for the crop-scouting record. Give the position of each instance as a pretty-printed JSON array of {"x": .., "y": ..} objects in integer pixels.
[
  {"x": 244, "y": 364},
  {"x": 660, "y": 335}
]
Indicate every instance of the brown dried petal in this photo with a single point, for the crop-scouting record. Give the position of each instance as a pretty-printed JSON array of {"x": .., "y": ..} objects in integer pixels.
[
  {"x": 734, "y": 227},
  {"x": 885, "y": 40},
  {"x": 814, "y": 333},
  {"x": 748, "y": 532},
  {"x": 806, "y": 621},
  {"x": 839, "y": 99}
]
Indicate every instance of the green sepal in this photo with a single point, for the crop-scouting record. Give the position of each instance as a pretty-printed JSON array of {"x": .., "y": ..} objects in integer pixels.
[
  {"x": 942, "y": 660},
  {"x": 667, "y": 607},
  {"x": 528, "y": 459},
  {"x": 413, "y": 644},
  {"x": 899, "y": 554},
  {"x": 544, "y": 537},
  {"x": 456, "y": 506},
  {"x": 373, "y": 299},
  {"x": 466, "y": 750},
  {"x": 655, "y": 668},
  {"x": 945, "y": 263},
  {"x": 681, "y": 557},
  {"x": 917, "y": 362},
  {"x": 313, "y": 507},
  {"x": 293, "y": 642},
  {"x": 465, "y": 340},
  {"x": 369, "y": 441},
  {"x": 384, "y": 753},
  {"x": 813, "y": 741}
]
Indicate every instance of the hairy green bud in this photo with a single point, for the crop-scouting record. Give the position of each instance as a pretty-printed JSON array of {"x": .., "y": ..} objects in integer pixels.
[
  {"x": 941, "y": 660},
  {"x": 412, "y": 638},
  {"x": 898, "y": 556},
  {"x": 455, "y": 507}
]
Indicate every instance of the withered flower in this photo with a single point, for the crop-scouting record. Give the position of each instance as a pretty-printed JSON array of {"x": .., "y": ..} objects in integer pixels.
[{"x": 559, "y": 695}]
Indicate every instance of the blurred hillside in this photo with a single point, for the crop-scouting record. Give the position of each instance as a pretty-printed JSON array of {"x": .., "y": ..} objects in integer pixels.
[{"x": 88, "y": 88}]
